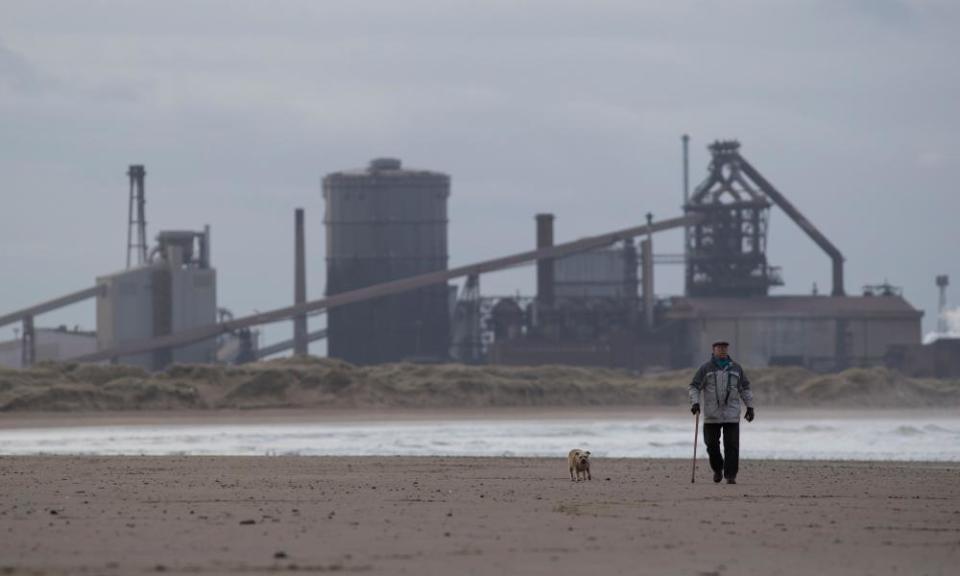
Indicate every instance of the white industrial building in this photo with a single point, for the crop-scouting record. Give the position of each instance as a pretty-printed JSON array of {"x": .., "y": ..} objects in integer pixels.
[
  {"x": 51, "y": 344},
  {"x": 176, "y": 290}
]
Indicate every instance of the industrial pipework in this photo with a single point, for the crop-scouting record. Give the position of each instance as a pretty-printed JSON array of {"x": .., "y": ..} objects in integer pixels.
[
  {"x": 26, "y": 315},
  {"x": 367, "y": 293},
  {"x": 780, "y": 200},
  {"x": 726, "y": 251}
]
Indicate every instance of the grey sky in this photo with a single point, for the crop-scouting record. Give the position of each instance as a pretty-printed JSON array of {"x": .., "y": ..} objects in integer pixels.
[{"x": 238, "y": 108}]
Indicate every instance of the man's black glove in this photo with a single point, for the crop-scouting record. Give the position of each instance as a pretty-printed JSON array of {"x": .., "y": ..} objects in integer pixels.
[
  {"x": 695, "y": 409},
  {"x": 749, "y": 415}
]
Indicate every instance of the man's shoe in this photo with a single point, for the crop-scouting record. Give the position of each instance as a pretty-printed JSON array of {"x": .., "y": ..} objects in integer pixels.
[
  {"x": 717, "y": 476},
  {"x": 730, "y": 480}
]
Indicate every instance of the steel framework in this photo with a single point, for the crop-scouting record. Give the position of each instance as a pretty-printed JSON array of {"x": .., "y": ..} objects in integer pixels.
[
  {"x": 198, "y": 334},
  {"x": 726, "y": 251}
]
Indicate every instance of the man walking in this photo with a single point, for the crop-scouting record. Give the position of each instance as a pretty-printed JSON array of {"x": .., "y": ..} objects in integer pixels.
[{"x": 723, "y": 384}]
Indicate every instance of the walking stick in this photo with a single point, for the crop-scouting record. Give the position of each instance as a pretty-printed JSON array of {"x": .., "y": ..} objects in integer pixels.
[{"x": 696, "y": 429}]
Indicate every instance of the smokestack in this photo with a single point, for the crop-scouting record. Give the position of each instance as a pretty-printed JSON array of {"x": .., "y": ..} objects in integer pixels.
[
  {"x": 686, "y": 190},
  {"x": 545, "y": 266},
  {"x": 299, "y": 286},
  {"x": 136, "y": 217},
  {"x": 942, "y": 282},
  {"x": 837, "y": 275},
  {"x": 28, "y": 344},
  {"x": 646, "y": 256},
  {"x": 686, "y": 169},
  {"x": 205, "y": 247}
]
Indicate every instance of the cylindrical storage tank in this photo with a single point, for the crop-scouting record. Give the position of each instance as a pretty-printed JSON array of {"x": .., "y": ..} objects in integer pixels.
[{"x": 384, "y": 223}]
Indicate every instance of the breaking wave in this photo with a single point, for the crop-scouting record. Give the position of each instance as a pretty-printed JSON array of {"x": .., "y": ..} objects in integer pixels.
[{"x": 886, "y": 438}]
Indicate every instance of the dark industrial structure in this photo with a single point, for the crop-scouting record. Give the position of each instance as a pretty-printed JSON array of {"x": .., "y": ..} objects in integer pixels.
[
  {"x": 232, "y": 326},
  {"x": 727, "y": 251},
  {"x": 388, "y": 296},
  {"x": 728, "y": 282},
  {"x": 938, "y": 359},
  {"x": 939, "y": 355},
  {"x": 588, "y": 310},
  {"x": 299, "y": 284},
  {"x": 385, "y": 223}
]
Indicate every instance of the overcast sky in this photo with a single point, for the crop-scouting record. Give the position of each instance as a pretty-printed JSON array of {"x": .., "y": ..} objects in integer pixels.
[{"x": 238, "y": 108}]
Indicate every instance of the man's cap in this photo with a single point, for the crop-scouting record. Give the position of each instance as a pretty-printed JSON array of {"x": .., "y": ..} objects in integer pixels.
[{"x": 720, "y": 343}]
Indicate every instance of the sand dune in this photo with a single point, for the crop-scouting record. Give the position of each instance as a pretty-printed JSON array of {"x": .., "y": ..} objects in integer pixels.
[{"x": 316, "y": 382}]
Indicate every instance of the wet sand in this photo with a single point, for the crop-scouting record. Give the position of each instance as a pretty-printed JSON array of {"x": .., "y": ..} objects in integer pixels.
[{"x": 227, "y": 515}]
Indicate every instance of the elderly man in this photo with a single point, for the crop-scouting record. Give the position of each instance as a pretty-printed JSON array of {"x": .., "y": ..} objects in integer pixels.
[{"x": 723, "y": 384}]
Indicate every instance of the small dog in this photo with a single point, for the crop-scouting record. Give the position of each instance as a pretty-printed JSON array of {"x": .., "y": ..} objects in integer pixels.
[{"x": 579, "y": 461}]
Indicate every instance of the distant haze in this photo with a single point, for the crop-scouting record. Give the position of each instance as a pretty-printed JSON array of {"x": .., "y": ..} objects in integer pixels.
[{"x": 238, "y": 108}]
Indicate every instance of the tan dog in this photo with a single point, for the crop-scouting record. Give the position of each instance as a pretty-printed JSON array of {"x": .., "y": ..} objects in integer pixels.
[{"x": 579, "y": 461}]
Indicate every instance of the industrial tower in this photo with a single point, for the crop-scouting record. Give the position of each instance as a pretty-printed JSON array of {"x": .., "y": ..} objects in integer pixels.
[
  {"x": 726, "y": 251},
  {"x": 942, "y": 282},
  {"x": 136, "y": 217}
]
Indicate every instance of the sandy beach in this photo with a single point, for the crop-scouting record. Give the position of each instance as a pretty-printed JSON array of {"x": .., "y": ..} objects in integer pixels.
[{"x": 226, "y": 515}]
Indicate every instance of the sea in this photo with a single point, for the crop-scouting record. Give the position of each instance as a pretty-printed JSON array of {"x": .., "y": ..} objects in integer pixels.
[{"x": 885, "y": 437}]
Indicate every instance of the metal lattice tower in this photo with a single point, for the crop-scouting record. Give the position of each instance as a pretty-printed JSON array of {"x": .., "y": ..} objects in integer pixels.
[
  {"x": 467, "y": 343},
  {"x": 726, "y": 252},
  {"x": 136, "y": 217}
]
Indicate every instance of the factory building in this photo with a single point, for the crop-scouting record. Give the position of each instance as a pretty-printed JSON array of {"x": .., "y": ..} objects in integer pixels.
[
  {"x": 386, "y": 222},
  {"x": 606, "y": 273},
  {"x": 174, "y": 291},
  {"x": 595, "y": 301},
  {"x": 50, "y": 344},
  {"x": 937, "y": 359},
  {"x": 587, "y": 309},
  {"x": 169, "y": 289},
  {"x": 820, "y": 332},
  {"x": 728, "y": 281},
  {"x": 939, "y": 355}
]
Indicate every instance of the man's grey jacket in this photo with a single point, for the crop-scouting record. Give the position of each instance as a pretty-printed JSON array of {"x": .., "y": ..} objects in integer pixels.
[{"x": 722, "y": 390}]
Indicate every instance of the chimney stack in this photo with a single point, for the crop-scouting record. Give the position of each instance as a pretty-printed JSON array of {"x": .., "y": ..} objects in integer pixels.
[
  {"x": 299, "y": 286},
  {"x": 545, "y": 277}
]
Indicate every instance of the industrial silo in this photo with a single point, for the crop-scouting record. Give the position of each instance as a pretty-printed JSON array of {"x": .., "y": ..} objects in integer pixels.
[
  {"x": 174, "y": 291},
  {"x": 384, "y": 223}
]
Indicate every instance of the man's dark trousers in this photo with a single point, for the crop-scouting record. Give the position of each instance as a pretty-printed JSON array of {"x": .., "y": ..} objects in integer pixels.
[{"x": 729, "y": 461}]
